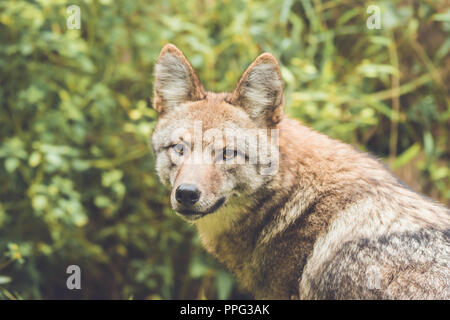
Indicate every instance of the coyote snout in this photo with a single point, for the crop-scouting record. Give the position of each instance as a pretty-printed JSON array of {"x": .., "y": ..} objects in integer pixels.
[
  {"x": 187, "y": 195},
  {"x": 193, "y": 195}
]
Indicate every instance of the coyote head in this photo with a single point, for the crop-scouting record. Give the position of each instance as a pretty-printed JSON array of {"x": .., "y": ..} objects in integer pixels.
[{"x": 213, "y": 148}]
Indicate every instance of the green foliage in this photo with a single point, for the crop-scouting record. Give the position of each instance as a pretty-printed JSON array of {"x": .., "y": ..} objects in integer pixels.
[{"x": 77, "y": 183}]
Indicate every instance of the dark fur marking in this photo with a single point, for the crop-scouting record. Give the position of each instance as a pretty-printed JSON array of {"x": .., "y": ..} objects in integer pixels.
[{"x": 400, "y": 253}]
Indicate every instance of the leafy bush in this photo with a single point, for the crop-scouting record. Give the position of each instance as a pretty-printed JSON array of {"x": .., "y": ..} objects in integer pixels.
[{"x": 77, "y": 184}]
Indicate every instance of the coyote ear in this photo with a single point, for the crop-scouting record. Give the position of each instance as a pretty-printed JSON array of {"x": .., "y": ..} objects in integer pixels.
[
  {"x": 260, "y": 91},
  {"x": 175, "y": 80}
]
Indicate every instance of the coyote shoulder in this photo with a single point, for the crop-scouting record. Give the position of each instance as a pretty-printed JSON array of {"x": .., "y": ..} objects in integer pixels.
[{"x": 326, "y": 222}]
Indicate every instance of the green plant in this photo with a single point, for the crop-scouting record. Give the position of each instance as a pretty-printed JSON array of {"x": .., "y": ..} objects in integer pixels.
[{"x": 77, "y": 183}]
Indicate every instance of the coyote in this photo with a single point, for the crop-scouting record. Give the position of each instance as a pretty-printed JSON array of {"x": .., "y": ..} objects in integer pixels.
[{"x": 326, "y": 222}]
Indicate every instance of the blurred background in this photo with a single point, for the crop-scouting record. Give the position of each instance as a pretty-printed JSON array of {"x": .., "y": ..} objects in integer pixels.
[{"x": 77, "y": 179}]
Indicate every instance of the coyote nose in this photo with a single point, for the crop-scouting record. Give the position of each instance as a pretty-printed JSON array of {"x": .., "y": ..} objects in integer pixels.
[{"x": 187, "y": 194}]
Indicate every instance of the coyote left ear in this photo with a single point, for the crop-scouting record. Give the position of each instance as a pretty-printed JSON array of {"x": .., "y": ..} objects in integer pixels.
[
  {"x": 260, "y": 91},
  {"x": 175, "y": 80}
]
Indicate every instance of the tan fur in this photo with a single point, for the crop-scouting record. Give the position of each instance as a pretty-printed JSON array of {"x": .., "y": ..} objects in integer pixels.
[{"x": 332, "y": 223}]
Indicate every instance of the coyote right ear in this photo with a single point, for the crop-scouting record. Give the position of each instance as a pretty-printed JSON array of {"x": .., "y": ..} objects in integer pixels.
[
  {"x": 260, "y": 91},
  {"x": 175, "y": 80}
]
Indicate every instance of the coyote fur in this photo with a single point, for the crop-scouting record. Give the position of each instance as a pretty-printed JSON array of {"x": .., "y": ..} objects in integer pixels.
[{"x": 328, "y": 222}]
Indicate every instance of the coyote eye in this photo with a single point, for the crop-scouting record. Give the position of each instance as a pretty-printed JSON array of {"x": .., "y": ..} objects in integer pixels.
[
  {"x": 178, "y": 148},
  {"x": 229, "y": 154}
]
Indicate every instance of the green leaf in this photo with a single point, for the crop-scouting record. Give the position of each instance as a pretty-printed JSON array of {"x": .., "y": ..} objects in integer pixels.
[
  {"x": 406, "y": 156},
  {"x": 39, "y": 202},
  {"x": 198, "y": 268},
  {"x": 225, "y": 283},
  {"x": 442, "y": 16},
  {"x": 102, "y": 201},
  {"x": 11, "y": 164},
  {"x": 4, "y": 280},
  {"x": 35, "y": 159},
  {"x": 428, "y": 143}
]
